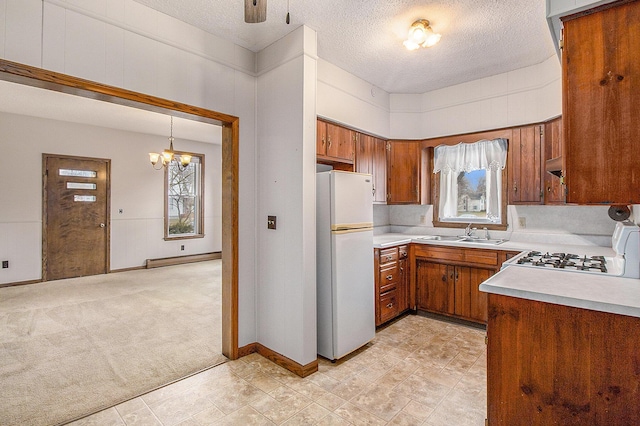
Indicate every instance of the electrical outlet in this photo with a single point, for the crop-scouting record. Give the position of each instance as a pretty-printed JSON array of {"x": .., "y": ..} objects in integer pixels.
[
  {"x": 423, "y": 219},
  {"x": 182, "y": 247},
  {"x": 271, "y": 222},
  {"x": 522, "y": 222},
  {"x": 5, "y": 264}
]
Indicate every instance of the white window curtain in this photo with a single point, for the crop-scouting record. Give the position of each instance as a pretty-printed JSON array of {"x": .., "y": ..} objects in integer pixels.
[{"x": 450, "y": 160}]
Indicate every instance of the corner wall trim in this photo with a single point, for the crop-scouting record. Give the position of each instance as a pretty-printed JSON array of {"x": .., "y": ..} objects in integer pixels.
[
  {"x": 179, "y": 260},
  {"x": 281, "y": 360}
]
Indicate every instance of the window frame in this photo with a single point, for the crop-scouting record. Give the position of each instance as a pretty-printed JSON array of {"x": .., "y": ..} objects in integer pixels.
[
  {"x": 200, "y": 207},
  {"x": 463, "y": 224}
]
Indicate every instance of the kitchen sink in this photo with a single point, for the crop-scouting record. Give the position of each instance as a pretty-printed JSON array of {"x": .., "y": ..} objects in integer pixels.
[
  {"x": 439, "y": 238},
  {"x": 481, "y": 241},
  {"x": 461, "y": 239}
]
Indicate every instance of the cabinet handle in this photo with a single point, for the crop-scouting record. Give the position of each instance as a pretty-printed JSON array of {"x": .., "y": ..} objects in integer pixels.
[
  {"x": 515, "y": 186},
  {"x": 323, "y": 141},
  {"x": 389, "y": 277},
  {"x": 456, "y": 275},
  {"x": 390, "y": 305},
  {"x": 329, "y": 141},
  {"x": 389, "y": 258},
  {"x": 444, "y": 278},
  {"x": 373, "y": 190}
]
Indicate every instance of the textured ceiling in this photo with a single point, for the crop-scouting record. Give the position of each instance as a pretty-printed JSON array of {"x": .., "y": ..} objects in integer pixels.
[{"x": 479, "y": 37}]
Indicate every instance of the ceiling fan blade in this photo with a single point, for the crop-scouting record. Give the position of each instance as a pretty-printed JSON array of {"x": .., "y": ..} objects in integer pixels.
[{"x": 255, "y": 11}]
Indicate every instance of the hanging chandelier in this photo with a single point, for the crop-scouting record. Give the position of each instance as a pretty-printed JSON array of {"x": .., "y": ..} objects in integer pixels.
[{"x": 169, "y": 155}]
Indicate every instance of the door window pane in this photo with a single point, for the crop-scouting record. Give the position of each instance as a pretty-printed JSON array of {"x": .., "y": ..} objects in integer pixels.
[
  {"x": 77, "y": 173},
  {"x": 79, "y": 185},
  {"x": 85, "y": 198}
]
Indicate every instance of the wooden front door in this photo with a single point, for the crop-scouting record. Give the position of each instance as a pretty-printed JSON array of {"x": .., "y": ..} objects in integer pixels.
[{"x": 75, "y": 217}]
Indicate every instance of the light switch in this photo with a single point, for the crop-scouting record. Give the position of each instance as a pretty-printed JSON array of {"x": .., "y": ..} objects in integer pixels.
[{"x": 271, "y": 222}]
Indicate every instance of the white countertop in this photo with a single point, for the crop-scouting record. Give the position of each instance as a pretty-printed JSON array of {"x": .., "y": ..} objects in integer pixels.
[
  {"x": 391, "y": 239},
  {"x": 598, "y": 292}
]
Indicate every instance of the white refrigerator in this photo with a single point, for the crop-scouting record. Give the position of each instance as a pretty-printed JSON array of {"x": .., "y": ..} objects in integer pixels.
[{"x": 345, "y": 284}]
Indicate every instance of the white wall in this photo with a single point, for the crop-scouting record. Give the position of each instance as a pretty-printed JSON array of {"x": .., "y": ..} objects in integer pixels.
[
  {"x": 137, "y": 234},
  {"x": 526, "y": 95},
  {"x": 125, "y": 44},
  {"x": 347, "y": 99},
  {"x": 286, "y": 312}
]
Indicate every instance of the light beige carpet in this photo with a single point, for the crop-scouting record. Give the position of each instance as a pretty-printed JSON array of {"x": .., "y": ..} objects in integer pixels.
[{"x": 72, "y": 347}]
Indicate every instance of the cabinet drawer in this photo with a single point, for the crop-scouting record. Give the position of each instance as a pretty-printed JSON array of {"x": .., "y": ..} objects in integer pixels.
[
  {"x": 388, "y": 255},
  {"x": 458, "y": 255},
  {"x": 388, "y": 277},
  {"x": 388, "y": 306}
]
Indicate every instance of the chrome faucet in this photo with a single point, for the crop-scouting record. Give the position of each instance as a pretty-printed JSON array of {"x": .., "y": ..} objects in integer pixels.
[
  {"x": 486, "y": 233},
  {"x": 468, "y": 232}
]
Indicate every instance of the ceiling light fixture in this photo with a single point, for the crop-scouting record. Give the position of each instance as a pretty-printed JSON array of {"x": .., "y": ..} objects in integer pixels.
[
  {"x": 421, "y": 34},
  {"x": 169, "y": 155}
]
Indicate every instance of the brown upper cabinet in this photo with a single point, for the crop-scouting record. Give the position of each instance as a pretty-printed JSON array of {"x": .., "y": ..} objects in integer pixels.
[
  {"x": 334, "y": 143},
  {"x": 371, "y": 158},
  {"x": 601, "y": 94},
  {"x": 524, "y": 159},
  {"x": 408, "y": 180}
]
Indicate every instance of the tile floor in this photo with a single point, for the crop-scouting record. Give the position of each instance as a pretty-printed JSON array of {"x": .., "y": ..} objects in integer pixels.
[{"x": 417, "y": 371}]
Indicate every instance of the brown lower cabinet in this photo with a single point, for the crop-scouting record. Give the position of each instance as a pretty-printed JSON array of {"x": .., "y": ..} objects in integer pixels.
[
  {"x": 549, "y": 364},
  {"x": 392, "y": 284},
  {"x": 447, "y": 280},
  {"x": 452, "y": 290}
]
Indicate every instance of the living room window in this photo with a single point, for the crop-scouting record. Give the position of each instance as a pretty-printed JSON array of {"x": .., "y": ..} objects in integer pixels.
[
  {"x": 184, "y": 207},
  {"x": 469, "y": 188}
]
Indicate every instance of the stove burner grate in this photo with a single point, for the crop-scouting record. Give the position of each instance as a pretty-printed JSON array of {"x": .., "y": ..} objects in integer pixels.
[{"x": 567, "y": 261}]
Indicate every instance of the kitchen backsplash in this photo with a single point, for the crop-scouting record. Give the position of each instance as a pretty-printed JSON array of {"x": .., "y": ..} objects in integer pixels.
[{"x": 571, "y": 224}]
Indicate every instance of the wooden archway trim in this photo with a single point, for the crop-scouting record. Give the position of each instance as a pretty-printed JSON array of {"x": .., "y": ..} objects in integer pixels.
[{"x": 38, "y": 77}]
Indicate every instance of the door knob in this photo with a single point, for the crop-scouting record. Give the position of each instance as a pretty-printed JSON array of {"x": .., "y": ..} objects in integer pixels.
[{"x": 102, "y": 225}]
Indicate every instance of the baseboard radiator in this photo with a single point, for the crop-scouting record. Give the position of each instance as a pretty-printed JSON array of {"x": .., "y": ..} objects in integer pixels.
[{"x": 180, "y": 260}]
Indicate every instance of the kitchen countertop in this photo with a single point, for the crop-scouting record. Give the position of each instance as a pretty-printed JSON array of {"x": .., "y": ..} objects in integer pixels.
[
  {"x": 394, "y": 239},
  {"x": 597, "y": 292},
  {"x": 581, "y": 290}
]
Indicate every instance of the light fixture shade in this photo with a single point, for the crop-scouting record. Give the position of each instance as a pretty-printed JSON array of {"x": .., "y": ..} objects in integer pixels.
[
  {"x": 421, "y": 34},
  {"x": 432, "y": 40},
  {"x": 154, "y": 157},
  {"x": 410, "y": 44},
  {"x": 185, "y": 160},
  {"x": 167, "y": 156}
]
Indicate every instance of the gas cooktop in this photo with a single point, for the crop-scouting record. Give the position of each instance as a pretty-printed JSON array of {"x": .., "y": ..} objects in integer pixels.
[
  {"x": 625, "y": 243},
  {"x": 564, "y": 261}
]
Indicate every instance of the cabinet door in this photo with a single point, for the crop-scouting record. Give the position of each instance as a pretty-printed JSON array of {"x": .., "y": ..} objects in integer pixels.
[
  {"x": 525, "y": 173},
  {"x": 379, "y": 170},
  {"x": 435, "y": 290},
  {"x": 403, "y": 172},
  {"x": 321, "y": 138},
  {"x": 471, "y": 303},
  {"x": 403, "y": 286},
  {"x": 478, "y": 299},
  {"x": 340, "y": 142},
  {"x": 601, "y": 94},
  {"x": 553, "y": 188},
  {"x": 364, "y": 154}
]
